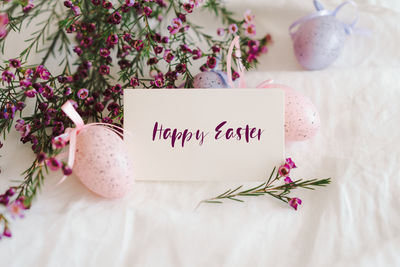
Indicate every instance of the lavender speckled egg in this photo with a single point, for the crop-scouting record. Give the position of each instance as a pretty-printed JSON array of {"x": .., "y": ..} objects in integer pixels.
[
  {"x": 318, "y": 42},
  {"x": 210, "y": 79},
  {"x": 102, "y": 162}
]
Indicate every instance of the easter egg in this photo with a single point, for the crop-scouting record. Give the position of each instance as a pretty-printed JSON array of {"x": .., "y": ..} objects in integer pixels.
[
  {"x": 102, "y": 163},
  {"x": 318, "y": 42},
  {"x": 210, "y": 79},
  {"x": 302, "y": 120}
]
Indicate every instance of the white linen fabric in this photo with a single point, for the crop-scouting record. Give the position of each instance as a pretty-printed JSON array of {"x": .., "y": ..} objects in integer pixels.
[{"x": 353, "y": 222}]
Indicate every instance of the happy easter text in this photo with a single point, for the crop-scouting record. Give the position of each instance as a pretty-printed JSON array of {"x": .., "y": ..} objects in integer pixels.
[{"x": 222, "y": 131}]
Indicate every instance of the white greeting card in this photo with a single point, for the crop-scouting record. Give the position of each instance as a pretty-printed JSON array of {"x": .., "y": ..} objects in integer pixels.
[{"x": 204, "y": 134}]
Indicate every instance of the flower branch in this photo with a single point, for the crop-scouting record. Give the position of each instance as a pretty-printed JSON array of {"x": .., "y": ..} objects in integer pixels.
[{"x": 271, "y": 188}]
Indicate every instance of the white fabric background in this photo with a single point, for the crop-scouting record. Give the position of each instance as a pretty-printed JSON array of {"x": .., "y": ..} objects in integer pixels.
[{"x": 353, "y": 222}]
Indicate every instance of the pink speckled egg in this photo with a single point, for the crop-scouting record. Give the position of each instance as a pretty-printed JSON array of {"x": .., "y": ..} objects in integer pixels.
[
  {"x": 301, "y": 116},
  {"x": 102, "y": 162}
]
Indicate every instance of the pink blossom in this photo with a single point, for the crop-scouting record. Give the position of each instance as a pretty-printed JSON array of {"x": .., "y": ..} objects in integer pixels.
[
  {"x": 288, "y": 180},
  {"x": 249, "y": 29},
  {"x": 134, "y": 82},
  {"x": 83, "y": 93},
  {"x": 53, "y": 163},
  {"x": 221, "y": 31},
  {"x": 42, "y": 72},
  {"x": 248, "y": 17},
  {"x": 147, "y": 11},
  {"x": 175, "y": 26},
  {"x": 290, "y": 162},
  {"x": 58, "y": 142},
  {"x": 16, "y": 209},
  {"x": 15, "y": 63},
  {"x": 7, "y": 76},
  {"x": 3, "y": 25},
  {"x": 168, "y": 56},
  {"x": 233, "y": 28},
  {"x": 284, "y": 170},
  {"x": 294, "y": 202},
  {"x": 188, "y": 7},
  {"x": 129, "y": 3},
  {"x": 211, "y": 62},
  {"x": 197, "y": 53},
  {"x": 29, "y": 6},
  {"x": 23, "y": 128},
  {"x": 25, "y": 83},
  {"x": 30, "y": 93},
  {"x": 77, "y": 11}
]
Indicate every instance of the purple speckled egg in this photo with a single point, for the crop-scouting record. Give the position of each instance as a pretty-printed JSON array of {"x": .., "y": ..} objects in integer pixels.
[
  {"x": 102, "y": 163},
  {"x": 318, "y": 42},
  {"x": 210, "y": 79},
  {"x": 301, "y": 116}
]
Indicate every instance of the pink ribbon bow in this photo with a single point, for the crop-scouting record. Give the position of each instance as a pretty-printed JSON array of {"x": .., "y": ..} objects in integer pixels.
[{"x": 71, "y": 134}]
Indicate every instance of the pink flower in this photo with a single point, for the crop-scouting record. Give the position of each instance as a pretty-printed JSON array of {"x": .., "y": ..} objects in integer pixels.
[
  {"x": 288, "y": 180},
  {"x": 197, "y": 53},
  {"x": 42, "y": 72},
  {"x": 29, "y": 6},
  {"x": 249, "y": 29},
  {"x": 16, "y": 209},
  {"x": 294, "y": 202},
  {"x": 7, "y": 76},
  {"x": 25, "y": 83},
  {"x": 221, "y": 31},
  {"x": 23, "y": 128},
  {"x": 158, "y": 81},
  {"x": 134, "y": 82},
  {"x": 6, "y": 232},
  {"x": 77, "y": 11},
  {"x": 284, "y": 170},
  {"x": 129, "y": 3},
  {"x": 211, "y": 62},
  {"x": 3, "y": 25},
  {"x": 248, "y": 17},
  {"x": 147, "y": 11},
  {"x": 112, "y": 39},
  {"x": 233, "y": 28},
  {"x": 290, "y": 162},
  {"x": 188, "y": 7},
  {"x": 175, "y": 26},
  {"x": 235, "y": 75},
  {"x": 53, "y": 163},
  {"x": 168, "y": 56},
  {"x": 58, "y": 142},
  {"x": 83, "y": 93},
  {"x": 30, "y": 93},
  {"x": 15, "y": 63},
  {"x": 104, "y": 70}
]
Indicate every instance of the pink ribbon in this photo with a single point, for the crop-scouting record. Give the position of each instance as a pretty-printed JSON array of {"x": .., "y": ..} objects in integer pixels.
[
  {"x": 71, "y": 134},
  {"x": 242, "y": 83}
]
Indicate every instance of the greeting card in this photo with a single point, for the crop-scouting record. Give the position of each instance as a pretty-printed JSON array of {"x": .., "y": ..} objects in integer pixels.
[{"x": 204, "y": 135}]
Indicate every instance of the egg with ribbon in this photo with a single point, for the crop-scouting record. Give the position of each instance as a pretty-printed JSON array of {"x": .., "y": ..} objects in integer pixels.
[
  {"x": 102, "y": 163},
  {"x": 319, "y": 38},
  {"x": 210, "y": 79},
  {"x": 302, "y": 120},
  {"x": 319, "y": 42}
]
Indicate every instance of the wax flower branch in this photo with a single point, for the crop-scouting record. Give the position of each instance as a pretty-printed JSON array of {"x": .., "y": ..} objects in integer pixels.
[
  {"x": 273, "y": 187},
  {"x": 102, "y": 47}
]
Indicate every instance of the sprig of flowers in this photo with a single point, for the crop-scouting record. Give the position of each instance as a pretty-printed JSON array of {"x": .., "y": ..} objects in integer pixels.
[
  {"x": 273, "y": 187},
  {"x": 106, "y": 47}
]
